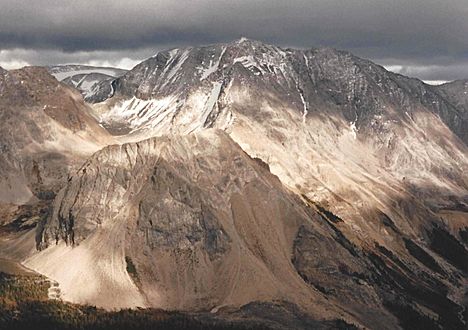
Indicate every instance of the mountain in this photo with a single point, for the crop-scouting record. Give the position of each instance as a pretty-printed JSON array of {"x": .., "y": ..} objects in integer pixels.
[
  {"x": 47, "y": 133},
  {"x": 337, "y": 79},
  {"x": 339, "y": 129},
  {"x": 204, "y": 226},
  {"x": 46, "y": 127},
  {"x": 94, "y": 83},
  {"x": 94, "y": 87},
  {"x": 62, "y": 72},
  {"x": 247, "y": 173},
  {"x": 456, "y": 92}
]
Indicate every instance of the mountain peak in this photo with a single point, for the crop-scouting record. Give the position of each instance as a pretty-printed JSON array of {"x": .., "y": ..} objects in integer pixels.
[
  {"x": 244, "y": 40},
  {"x": 299, "y": 76},
  {"x": 253, "y": 42}
]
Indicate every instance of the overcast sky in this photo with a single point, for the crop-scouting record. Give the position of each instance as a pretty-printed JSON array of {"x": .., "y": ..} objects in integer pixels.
[{"x": 427, "y": 39}]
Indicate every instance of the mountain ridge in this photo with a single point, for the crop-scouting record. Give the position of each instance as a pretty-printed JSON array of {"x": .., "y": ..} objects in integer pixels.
[{"x": 411, "y": 85}]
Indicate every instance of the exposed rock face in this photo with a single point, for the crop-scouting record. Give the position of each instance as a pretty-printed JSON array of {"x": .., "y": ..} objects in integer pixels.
[
  {"x": 46, "y": 130},
  {"x": 205, "y": 226}
]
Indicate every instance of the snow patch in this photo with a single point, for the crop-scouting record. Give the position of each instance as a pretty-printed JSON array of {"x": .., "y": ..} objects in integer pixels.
[
  {"x": 248, "y": 62},
  {"x": 88, "y": 87},
  {"x": 306, "y": 61},
  {"x": 353, "y": 129},
  {"x": 180, "y": 61},
  {"x": 138, "y": 112},
  {"x": 304, "y": 104},
  {"x": 213, "y": 67},
  {"x": 213, "y": 96}
]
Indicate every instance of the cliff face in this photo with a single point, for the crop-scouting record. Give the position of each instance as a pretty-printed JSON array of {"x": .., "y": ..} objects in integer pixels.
[
  {"x": 202, "y": 224},
  {"x": 193, "y": 223}
]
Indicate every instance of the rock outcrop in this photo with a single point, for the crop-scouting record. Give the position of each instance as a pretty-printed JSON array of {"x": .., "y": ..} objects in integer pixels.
[{"x": 192, "y": 222}]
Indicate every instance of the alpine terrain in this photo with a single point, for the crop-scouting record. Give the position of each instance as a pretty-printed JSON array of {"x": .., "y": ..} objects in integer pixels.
[
  {"x": 94, "y": 83},
  {"x": 244, "y": 182}
]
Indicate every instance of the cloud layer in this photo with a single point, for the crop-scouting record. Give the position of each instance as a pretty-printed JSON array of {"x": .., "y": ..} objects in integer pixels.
[{"x": 419, "y": 35}]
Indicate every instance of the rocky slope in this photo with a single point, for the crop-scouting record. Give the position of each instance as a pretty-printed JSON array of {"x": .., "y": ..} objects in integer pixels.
[
  {"x": 336, "y": 128},
  {"x": 457, "y": 94},
  {"x": 191, "y": 222},
  {"x": 189, "y": 212},
  {"x": 363, "y": 216},
  {"x": 46, "y": 130}
]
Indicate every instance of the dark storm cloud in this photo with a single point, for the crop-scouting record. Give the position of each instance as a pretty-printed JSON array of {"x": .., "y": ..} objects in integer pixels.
[{"x": 414, "y": 33}]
